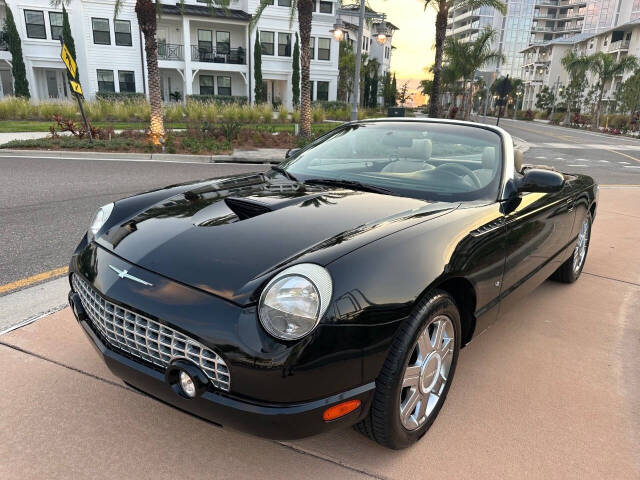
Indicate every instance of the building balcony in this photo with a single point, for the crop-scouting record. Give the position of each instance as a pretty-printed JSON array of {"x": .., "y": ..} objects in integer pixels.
[
  {"x": 234, "y": 56},
  {"x": 540, "y": 28},
  {"x": 619, "y": 45},
  {"x": 170, "y": 51}
]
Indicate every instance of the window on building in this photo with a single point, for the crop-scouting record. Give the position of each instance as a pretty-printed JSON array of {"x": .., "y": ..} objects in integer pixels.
[
  {"x": 123, "y": 32},
  {"x": 312, "y": 48},
  {"x": 205, "y": 41},
  {"x": 224, "y": 86},
  {"x": 101, "y": 33},
  {"x": 55, "y": 22},
  {"x": 127, "y": 81},
  {"x": 311, "y": 95},
  {"x": 322, "y": 91},
  {"x": 105, "y": 81},
  {"x": 284, "y": 3},
  {"x": 284, "y": 44},
  {"x": 223, "y": 42},
  {"x": 326, "y": 7},
  {"x": 206, "y": 85},
  {"x": 266, "y": 41},
  {"x": 324, "y": 49},
  {"x": 34, "y": 19}
]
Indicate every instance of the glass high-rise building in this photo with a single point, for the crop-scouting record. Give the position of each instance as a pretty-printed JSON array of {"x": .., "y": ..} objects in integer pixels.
[{"x": 533, "y": 22}]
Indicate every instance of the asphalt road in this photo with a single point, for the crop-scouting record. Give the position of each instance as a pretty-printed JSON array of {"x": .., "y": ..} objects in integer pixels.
[
  {"x": 46, "y": 204},
  {"x": 611, "y": 160}
]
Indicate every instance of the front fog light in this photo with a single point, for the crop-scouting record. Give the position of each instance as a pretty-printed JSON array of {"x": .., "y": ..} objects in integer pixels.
[{"x": 186, "y": 382}]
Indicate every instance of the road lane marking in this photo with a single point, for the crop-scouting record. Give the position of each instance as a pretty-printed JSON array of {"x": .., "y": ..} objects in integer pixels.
[
  {"x": 632, "y": 166},
  {"x": 623, "y": 163},
  {"x": 541, "y": 158},
  {"x": 25, "y": 282},
  {"x": 558, "y": 158},
  {"x": 576, "y": 165},
  {"x": 623, "y": 154},
  {"x": 603, "y": 161}
]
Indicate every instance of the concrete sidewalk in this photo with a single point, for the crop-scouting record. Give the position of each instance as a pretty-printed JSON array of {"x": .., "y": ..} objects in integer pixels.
[{"x": 552, "y": 390}]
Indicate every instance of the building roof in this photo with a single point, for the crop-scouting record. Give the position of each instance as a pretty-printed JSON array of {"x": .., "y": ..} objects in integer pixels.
[{"x": 205, "y": 11}]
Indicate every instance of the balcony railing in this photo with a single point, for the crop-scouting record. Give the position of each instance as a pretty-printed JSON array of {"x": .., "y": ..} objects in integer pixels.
[
  {"x": 237, "y": 56},
  {"x": 619, "y": 45},
  {"x": 170, "y": 51}
]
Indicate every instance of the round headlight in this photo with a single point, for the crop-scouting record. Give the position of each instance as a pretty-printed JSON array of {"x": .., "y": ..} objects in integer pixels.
[
  {"x": 294, "y": 301},
  {"x": 99, "y": 219}
]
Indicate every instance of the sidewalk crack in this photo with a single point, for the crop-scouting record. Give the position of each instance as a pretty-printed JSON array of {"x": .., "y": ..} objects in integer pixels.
[{"x": 613, "y": 279}]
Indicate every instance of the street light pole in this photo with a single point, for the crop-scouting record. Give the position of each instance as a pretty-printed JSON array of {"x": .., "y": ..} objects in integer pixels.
[{"x": 356, "y": 79}]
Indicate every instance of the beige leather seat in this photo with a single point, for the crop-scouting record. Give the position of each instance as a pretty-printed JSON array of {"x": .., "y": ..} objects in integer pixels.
[
  {"x": 518, "y": 158},
  {"x": 415, "y": 158},
  {"x": 487, "y": 171}
]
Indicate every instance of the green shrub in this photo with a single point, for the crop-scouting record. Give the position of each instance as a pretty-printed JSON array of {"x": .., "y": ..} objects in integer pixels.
[
  {"x": 617, "y": 121},
  {"x": 330, "y": 105},
  {"x": 173, "y": 113},
  {"x": 266, "y": 112},
  {"x": 120, "y": 96},
  {"x": 317, "y": 115},
  {"x": 217, "y": 99},
  {"x": 295, "y": 116},
  {"x": 283, "y": 114},
  {"x": 557, "y": 117},
  {"x": 253, "y": 113}
]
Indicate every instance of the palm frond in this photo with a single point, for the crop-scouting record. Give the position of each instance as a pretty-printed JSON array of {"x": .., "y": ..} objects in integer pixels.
[
  {"x": 497, "y": 4},
  {"x": 259, "y": 11}
]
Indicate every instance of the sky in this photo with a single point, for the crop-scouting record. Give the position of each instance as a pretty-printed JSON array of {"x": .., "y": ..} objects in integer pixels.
[{"x": 414, "y": 41}]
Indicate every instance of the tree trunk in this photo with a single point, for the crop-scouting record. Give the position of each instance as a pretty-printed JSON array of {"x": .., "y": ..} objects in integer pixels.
[
  {"x": 595, "y": 121},
  {"x": 146, "y": 14},
  {"x": 441, "y": 32},
  {"x": 305, "y": 12}
]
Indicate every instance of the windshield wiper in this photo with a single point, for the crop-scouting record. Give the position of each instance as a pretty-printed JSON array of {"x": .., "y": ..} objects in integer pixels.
[
  {"x": 336, "y": 182},
  {"x": 281, "y": 170}
]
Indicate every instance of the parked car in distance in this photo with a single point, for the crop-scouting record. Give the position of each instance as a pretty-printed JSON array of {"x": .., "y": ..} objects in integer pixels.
[{"x": 335, "y": 289}]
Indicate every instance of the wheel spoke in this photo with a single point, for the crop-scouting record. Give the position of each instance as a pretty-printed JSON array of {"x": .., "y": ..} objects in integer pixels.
[
  {"x": 424, "y": 345},
  {"x": 409, "y": 407},
  {"x": 438, "y": 335},
  {"x": 447, "y": 350},
  {"x": 411, "y": 376}
]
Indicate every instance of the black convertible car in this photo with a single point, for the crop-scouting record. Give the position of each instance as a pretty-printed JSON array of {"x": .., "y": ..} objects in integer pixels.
[{"x": 335, "y": 289}]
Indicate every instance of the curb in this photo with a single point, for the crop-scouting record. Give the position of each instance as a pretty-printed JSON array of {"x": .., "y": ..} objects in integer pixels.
[{"x": 138, "y": 157}]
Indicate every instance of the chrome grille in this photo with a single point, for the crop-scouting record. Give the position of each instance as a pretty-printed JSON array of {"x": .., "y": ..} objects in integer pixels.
[{"x": 146, "y": 338}]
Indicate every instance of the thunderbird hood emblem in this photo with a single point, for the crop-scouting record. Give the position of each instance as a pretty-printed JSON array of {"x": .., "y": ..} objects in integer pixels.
[{"x": 125, "y": 274}]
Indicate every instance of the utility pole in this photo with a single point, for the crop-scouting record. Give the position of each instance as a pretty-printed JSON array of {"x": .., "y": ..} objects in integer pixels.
[{"x": 356, "y": 80}]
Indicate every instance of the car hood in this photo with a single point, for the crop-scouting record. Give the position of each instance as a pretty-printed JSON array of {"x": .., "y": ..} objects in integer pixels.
[{"x": 228, "y": 235}]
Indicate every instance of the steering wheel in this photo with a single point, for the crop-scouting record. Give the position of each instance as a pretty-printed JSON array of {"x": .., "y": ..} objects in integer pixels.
[{"x": 461, "y": 169}]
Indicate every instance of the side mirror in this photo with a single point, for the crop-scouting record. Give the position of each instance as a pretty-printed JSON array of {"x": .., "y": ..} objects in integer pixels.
[
  {"x": 291, "y": 152},
  {"x": 540, "y": 181}
]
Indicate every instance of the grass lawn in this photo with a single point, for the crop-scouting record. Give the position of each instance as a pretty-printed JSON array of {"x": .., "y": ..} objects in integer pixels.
[{"x": 10, "y": 126}]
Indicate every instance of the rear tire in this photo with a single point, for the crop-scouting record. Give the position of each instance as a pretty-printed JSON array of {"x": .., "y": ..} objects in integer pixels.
[
  {"x": 570, "y": 270},
  {"x": 416, "y": 376}
]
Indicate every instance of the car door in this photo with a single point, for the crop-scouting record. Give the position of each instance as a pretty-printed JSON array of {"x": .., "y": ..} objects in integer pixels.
[{"x": 537, "y": 231}]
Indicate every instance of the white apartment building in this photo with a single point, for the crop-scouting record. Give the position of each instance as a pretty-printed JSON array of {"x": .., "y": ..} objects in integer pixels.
[
  {"x": 200, "y": 51},
  {"x": 543, "y": 65}
]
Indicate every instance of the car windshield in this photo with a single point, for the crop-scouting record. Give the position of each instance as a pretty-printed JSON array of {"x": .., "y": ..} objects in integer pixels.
[{"x": 430, "y": 160}]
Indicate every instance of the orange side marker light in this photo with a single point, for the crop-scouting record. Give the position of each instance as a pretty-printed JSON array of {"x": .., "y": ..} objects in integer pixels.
[{"x": 340, "y": 410}]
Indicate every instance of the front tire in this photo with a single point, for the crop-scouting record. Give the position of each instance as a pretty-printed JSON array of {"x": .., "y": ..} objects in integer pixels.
[
  {"x": 570, "y": 270},
  {"x": 416, "y": 376}
]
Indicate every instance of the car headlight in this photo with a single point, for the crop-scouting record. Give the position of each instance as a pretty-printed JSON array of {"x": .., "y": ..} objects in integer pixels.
[
  {"x": 99, "y": 219},
  {"x": 293, "y": 302}
]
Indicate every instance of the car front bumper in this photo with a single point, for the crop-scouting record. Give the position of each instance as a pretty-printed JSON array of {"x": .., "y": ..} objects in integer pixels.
[{"x": 276, "y": 421}]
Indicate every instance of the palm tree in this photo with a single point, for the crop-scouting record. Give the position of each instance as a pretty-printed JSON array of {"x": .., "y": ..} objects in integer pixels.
[
  {"x": 147, "y": 12},
  {"x": 605, "y": 68},
  {"x": 442, "y": 7},
  {"x": 576, "y": 66},
  {"x": 468, "y": 57},
  {"x": 304, "y": 8}
]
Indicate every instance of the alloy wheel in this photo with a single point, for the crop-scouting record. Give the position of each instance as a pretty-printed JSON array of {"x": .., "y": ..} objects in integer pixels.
[
  {"x": 427, "y": 371},
  {"x": 580, "y": 252}
]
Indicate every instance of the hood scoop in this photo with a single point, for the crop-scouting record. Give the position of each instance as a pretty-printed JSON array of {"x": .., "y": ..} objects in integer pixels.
[{"x": 245, "y": 208}]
